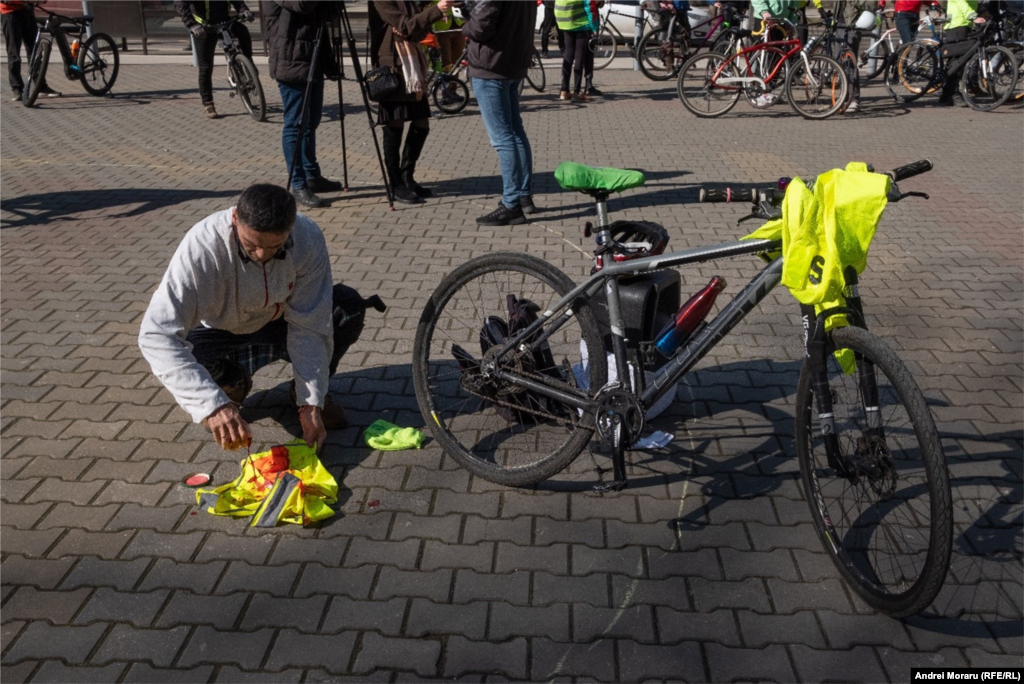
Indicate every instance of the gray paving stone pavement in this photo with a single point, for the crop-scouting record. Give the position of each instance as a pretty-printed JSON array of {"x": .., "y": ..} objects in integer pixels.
[{"x": 110, "y": 574}]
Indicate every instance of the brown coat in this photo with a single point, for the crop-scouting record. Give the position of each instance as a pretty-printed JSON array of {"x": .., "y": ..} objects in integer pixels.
[{"x": 386, "y": 15}]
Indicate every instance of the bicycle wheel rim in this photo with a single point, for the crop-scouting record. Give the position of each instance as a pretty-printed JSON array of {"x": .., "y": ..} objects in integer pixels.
[
  {"x": 473, "y": 419},
  {"x": 450, "y": 95},
  {"x": 818, "y": 88},
  {"x": 603, "y": 45},
  {"x": 660, "y": 59},
  {"x": 535, "y": 74},
  {"x": 98, "y": 64},
  {"x": 888, "y": 529},
  {"x": 987, "y": 86},
  {"x": 249, "y": 89},
  {"x": 917, "y": 68},
  {"x": 697, "y": 86}
]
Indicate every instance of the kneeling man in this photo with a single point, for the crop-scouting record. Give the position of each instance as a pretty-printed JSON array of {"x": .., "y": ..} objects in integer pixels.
[{"x": 248, "y": 286}]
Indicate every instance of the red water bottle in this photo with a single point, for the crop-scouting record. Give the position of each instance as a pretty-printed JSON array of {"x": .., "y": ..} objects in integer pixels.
[{"x": 690, "y": 315}]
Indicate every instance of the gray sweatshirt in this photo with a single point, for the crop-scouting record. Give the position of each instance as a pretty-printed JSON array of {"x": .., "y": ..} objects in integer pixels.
[{"x": 208, "y": 283}]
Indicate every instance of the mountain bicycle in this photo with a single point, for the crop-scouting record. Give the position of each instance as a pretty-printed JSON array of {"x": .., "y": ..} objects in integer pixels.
[
  {"x": 662, "y": 51},
  {"x": 988, "y": 71},
  {"x": 242, "y": 73},
  {"x": 710, "y": 84},
  {"x": 93, "y": 61},
  {"x": 871, "y": 460}
]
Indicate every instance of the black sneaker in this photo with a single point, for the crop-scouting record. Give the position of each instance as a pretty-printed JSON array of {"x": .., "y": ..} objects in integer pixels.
[
  {"x": 503, "y": 216},
  {"x": 47, "y": 91},
  {"x": 405, "y": 195},
  {"x": 527, "y": 205},
  {"x": 321, "y": 184},
  {"x": 16, "y": 96},
  {"x": 306, "y": 198},
  {"x": 594, "y": 92}
]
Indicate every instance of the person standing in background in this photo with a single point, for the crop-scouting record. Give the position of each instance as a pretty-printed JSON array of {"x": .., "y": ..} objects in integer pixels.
[
  {"x": 576, "y": 20},
  {"x": 198, "y": 16},
  {"x": 20, "y": 29}
]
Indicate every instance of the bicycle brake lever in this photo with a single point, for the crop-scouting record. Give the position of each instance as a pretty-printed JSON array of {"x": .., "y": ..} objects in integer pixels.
[
  {"x": 746, "y": 218},
  {"x": 914, "y": 194}
]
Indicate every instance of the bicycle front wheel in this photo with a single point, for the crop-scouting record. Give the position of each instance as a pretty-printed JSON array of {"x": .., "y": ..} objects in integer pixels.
[
  {"x": 817, "y": 88},
  {"x": 603, "y": 45},
  {"x": 661, "y": 57},
  {"x": 699, "y": 89},
  {"x": 248, "y": 87},
  {"x": 98, "y": 62},
  {"x": 535, "y": 74},
  {"x": 37, "y": 65},
  {"x": 887, "y": 521},
  {"x": 487, "y": 425},
  {"x": 989, "y": 81},
  {"x": 874, "y": 59},
  {"x": 449, "y": 94}
]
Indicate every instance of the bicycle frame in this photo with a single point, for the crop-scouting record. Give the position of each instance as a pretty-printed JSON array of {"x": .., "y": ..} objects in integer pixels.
[
  {"x": 59, "y": 35},
  {"x": 794, "y": 46}
]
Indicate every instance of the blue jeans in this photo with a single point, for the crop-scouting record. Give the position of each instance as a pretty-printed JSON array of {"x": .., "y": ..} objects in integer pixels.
[
  {"x": 499, "y": 107},
  {"x": 291, "y": 98},
  {"x": 906, "y": 24}
]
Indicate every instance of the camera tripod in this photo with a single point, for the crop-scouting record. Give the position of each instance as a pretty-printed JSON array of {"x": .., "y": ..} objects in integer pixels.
[{"x": 339, "y": 26}]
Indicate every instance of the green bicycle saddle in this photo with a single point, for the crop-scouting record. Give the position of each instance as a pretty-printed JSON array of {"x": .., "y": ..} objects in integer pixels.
[{"x": 573, "y": 176}]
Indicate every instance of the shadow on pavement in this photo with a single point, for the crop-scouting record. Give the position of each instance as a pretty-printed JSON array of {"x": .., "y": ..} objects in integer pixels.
[{"x": 35, "y": 210}]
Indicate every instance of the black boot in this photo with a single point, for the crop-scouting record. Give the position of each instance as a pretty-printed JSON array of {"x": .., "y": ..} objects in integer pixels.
[
  {"x": 392, "y": 146},
  {"x": 414, "y": 142}
]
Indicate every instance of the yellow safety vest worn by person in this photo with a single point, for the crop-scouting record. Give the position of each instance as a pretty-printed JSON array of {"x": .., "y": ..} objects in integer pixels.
[
  {"x": 286, "y": 484},
  {"x": 825, "y": 231}
]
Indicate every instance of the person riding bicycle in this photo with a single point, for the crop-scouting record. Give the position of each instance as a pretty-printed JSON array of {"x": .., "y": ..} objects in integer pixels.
[
  {"x": 20, "y": 28},
  {"x": 200, "y": 16},
  {"x": 963, "y": 15}
]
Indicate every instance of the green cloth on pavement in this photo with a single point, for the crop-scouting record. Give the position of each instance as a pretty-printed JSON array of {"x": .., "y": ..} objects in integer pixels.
[{"x": 389, "y": 437}]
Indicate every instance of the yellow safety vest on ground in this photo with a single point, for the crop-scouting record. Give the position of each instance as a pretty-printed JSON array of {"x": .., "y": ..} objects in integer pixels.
[{"x": 286, "y": 484}]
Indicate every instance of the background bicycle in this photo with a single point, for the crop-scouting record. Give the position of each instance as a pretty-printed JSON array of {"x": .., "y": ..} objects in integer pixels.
[
  {"x": 93, "y": 61},
  {"x": 243, "y": 76}
]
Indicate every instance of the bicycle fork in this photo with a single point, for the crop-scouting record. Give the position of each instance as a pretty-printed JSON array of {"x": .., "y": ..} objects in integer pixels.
[{"x": 872, "y": 442}]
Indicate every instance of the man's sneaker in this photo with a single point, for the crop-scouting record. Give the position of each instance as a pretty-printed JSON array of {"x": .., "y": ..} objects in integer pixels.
[
  {"x": 210, "y": 111},
  {"x": 564, "y": 96},
  {"x": 321, "y": 184},
  {"x": 47, "y": 91},
  {"x": 16, "y": 96},
  {"x": 765, "y": 100},
  {"x": 594, "y": 92},
  {"x": 503, "y": 216},
  {"x": 527, "y": 205},
  {"x": 306, "y": 198},
  {"x": 853, "y": 107}
]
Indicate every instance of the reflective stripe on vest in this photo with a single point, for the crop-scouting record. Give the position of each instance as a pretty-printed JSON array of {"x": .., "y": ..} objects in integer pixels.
[{"x": 571, "y": 15}]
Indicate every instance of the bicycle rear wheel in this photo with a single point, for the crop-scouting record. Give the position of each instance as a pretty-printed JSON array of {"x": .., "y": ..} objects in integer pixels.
[
  {"x": 886, "y": 524},
  {"x": 248, "y": 87},
  {"x": 449, "y": 94},
  {"x": 535, "y": 74},
  {"x": 989, "y": 82},
  {"x": 37, "y": 65},
  {"x": 661, "y": 58},
  {"x": 466, "y": 408},
  {"x": 698, "y": 85},
  {"x": 98, "y": 63},
  {"x": 604, "y": 46},
  {"x": 913, "y": 71},
  {"x": 817, "y": 88}
]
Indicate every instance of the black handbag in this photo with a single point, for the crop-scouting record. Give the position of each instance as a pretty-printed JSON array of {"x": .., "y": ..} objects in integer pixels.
[{"x": 384, "y": 83}]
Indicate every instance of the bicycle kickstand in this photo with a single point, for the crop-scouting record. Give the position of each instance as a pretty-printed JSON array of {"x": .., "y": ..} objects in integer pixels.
[{"x": 620, "y": 438}]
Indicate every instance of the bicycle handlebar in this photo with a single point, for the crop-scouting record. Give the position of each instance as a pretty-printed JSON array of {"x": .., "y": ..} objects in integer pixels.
[
  {"x": 727, "y": 195},
  {"x": 910, "y": 170}
]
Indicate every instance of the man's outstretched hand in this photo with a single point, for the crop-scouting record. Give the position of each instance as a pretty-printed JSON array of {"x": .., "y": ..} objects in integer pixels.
[
  {"x": 228, "y": 427},
  {"x": 313, "y": 430}
]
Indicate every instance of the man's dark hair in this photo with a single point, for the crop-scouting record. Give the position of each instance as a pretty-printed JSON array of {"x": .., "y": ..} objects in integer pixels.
[{"x": 266, "y": 208}]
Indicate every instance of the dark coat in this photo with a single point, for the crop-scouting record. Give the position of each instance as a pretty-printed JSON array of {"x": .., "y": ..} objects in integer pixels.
[
  {"x": 501, "y": 35},
  {"x": 291, "y": 33},
  {"x": 388, "y": 14}
]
